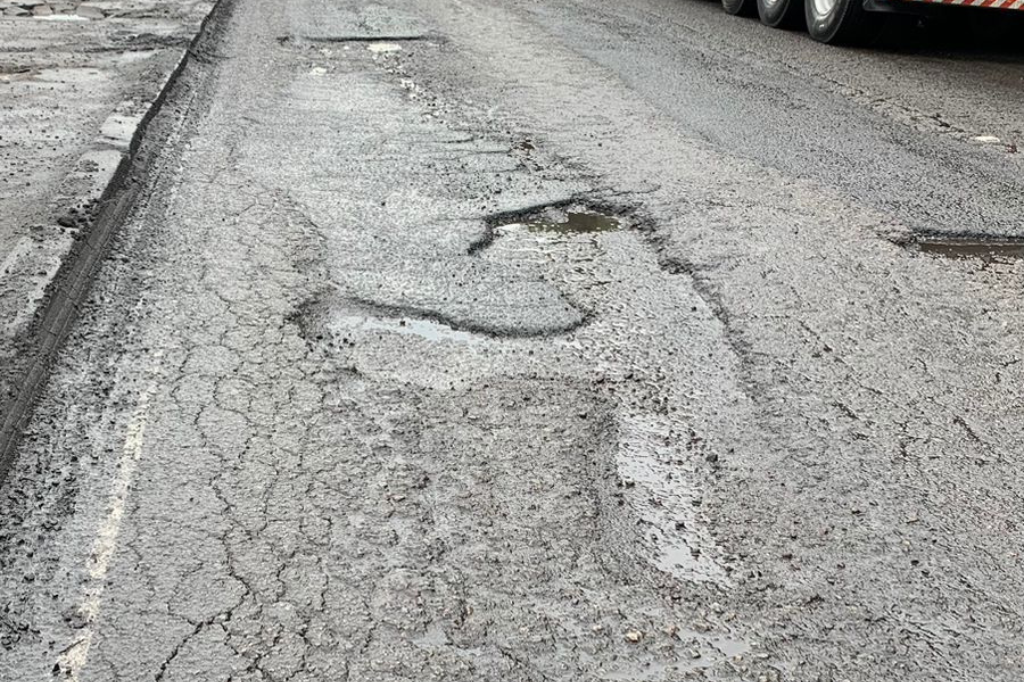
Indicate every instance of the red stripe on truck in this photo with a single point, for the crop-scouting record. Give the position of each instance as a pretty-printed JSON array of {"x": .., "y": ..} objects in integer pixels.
[{"x": 994, "y": 4}]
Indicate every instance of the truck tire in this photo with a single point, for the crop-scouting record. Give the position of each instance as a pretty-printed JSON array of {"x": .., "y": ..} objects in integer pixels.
[
  {"x": 781, "y": 13},
  {"x": 740, "y": 8},
  {"x": 841, "y": 22}
]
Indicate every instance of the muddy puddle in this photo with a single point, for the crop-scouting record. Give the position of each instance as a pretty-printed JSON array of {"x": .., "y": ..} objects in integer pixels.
[
  {"x": 560, "y": 222},
  {"x": 665, "y": 500},
  {"x": 707, "y": 651},
  {"x": 573, "y": 222},
  {"x": 429, "y": 330},
  {"x": 987, "y": 250}
]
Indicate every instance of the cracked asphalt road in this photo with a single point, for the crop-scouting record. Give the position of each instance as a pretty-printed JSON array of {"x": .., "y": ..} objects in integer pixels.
[{"x": 343, "y": 406}]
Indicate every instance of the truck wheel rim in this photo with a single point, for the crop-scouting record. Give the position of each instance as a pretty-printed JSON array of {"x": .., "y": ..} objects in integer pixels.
[{"x": 823, "y": 8}]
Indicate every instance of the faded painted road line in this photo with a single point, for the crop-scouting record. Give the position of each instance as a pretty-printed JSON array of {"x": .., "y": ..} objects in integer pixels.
[{"x": 73, "y": 659}]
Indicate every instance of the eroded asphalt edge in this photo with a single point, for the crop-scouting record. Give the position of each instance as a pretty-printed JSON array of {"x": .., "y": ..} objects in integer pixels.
[{"x": 113, "y": 193}]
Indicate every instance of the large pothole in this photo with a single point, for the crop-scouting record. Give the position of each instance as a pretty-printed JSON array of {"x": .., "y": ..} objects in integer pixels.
[
  {"x": 571, "y": 221},
  {"x": 558, "y": 220},
  {"x": 343, "y": 322}
]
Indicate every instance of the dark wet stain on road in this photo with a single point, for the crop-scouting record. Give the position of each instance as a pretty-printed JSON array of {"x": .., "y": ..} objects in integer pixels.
[{"x": 982, "y": 249}]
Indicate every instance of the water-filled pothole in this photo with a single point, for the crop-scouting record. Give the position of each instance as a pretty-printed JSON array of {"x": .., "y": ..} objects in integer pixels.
[
  {"x": 572, "y": 221},
  {"x": 987, "y": 250}
]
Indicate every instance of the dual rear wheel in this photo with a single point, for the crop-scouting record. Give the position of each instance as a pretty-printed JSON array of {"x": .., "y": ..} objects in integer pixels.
[{"x": 828, "y": 21}]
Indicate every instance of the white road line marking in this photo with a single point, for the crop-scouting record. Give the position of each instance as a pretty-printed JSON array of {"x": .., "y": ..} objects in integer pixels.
[{"x": 73, "y": 659}]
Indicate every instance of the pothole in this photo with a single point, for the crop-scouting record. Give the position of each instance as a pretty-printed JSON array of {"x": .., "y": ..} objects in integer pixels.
[
  {"x": 560, "y": 222},
  {"x": 371, "y": 39},
  {"x": 380, "y": 48},
  {"x": 342, "y": 320},
  {"x": 410, "y": 326},
  {"x": 987, "y": 250},
  {"x": 574, "y": 220}
]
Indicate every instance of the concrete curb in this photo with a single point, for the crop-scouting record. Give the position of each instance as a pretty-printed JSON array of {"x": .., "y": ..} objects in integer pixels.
[{"x": 66, "y": 266}]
